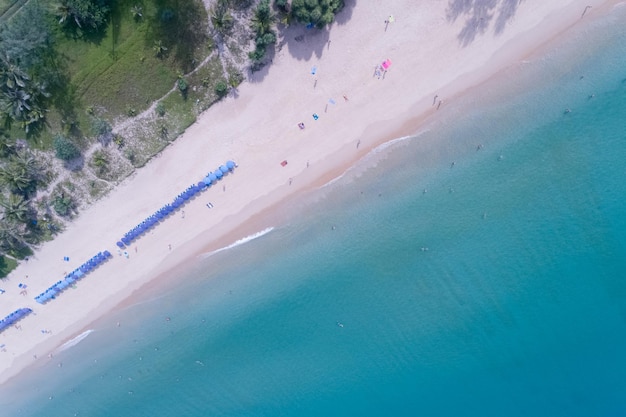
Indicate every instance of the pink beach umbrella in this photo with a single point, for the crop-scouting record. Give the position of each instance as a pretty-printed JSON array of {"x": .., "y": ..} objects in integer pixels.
[{"x": 386, "y": 64}]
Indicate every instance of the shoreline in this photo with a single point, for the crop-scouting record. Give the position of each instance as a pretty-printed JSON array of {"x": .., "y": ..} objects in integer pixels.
[{"x": 251, "y": 197}]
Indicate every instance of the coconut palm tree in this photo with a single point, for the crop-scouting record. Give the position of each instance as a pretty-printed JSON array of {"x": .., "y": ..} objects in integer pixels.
[
  {"x": 15, "y": 103},
  {"x": 25, "y": 160},
  {"x": 221, "y": 19},
  {"x": 7, "y": 145},
  {"x": 21, "y": 173},
  {"x": 16, "y": 208},
  {"x": 263, "y": 18},
  {"x": 158, "y": 48},
  {"x": 11, "y": 236},
  {"x": 12, "y": 75},
  {"x": 64, "y": 13},
  {"x": 15, "y": 179},
  {"x": 136, "y": 11}
]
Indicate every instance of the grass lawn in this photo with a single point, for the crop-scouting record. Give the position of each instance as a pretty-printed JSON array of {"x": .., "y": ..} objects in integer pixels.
[
  {"x": 117, "y": 71},
  {"x": 6, "y": 265}
]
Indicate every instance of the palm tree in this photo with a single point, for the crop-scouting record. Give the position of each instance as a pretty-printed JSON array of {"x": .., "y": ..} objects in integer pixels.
[
  {"x": 221, "y": 19},
  {"x": 16, "y": 103},
  {"x": 7, "y": 146},
  {"x": 159, "y": 48},
  {"x": 25, "y": 160},
  {"x": 12, "y": 75},
  {"x": 11, "y": 237},
  {"x": 263, "y": 18},
  {"x": 136, "y": 11},
  {"x": 14, "y": 178},
  {"x": 65, "y": 13},
  {"x": 21, "y": 173},
  {"x": 16, "y": 208}
]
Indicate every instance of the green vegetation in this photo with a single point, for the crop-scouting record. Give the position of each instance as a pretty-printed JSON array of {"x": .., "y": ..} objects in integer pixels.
[
  {"x": 262, "y": 24},
  {"x": 76, "y": 79},
  {"x": 65, "y": 149},
  {"x": 221, "y": 18},
  {"x": 6, "y": 265},
  {"x": 316, "y": 12},
  {"x": 87, "y": 15}
]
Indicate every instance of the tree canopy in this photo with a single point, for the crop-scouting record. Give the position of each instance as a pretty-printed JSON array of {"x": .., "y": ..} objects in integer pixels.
[
  {"x": 85, "y": 14},
  {"x": 24, "y": 45},
  {"x": 317, "y": 12}
]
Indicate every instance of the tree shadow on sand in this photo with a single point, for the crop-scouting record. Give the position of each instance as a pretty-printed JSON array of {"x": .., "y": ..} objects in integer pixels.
[
  {"x": 303, "y": 43},
  {"x": 479, "y": 15}
]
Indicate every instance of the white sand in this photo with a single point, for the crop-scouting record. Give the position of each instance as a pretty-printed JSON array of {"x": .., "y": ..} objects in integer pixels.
[{"x": 258, "y": 130}]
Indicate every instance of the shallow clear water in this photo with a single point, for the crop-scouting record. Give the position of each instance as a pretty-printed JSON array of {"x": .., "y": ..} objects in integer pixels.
[{"x": 499, "y": 291}]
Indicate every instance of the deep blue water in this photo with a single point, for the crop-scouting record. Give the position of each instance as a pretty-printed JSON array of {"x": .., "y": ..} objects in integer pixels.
[{"x": 500, "y": 291}]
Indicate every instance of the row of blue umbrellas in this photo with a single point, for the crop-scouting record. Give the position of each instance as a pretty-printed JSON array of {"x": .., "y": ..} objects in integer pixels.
[
  {"x": 72, "y": 277},
  {"x": 152, "y": 220},
  {"x": 12, "y": 318}
]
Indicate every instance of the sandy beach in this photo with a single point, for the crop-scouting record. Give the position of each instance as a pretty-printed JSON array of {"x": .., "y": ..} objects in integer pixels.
[{"x": 434, "y": 58}]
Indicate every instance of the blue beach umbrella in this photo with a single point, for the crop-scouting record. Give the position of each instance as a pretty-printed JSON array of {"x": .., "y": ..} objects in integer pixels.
[
  {"x": 230, "y": 165},
  {"x": 224, "y": 169},
  {"x": 213, "y": 177},
  {"x": 219, "y": 174}
]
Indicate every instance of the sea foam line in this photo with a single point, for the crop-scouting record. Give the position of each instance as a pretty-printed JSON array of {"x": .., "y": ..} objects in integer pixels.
[
  {"x": 377, "y": 150},
  {"x": 74, "y": 341},
  {"x": 240, "y": 242}
]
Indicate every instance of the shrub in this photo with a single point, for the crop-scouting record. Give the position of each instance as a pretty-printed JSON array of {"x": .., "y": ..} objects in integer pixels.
[
  {"x": 65, "y": 149},
  {"x": 63, "y": 204},
  {"x": 160, "y": 109},
  {"x": 102, "y": 130},
  {"x": 221, "y": 88},
  {"x": 234, "y": 78},
  {"x": 182, "y": 85}
]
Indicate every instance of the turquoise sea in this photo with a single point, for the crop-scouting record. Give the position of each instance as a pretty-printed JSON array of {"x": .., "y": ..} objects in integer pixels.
[{"x": 435, "y": 278}]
